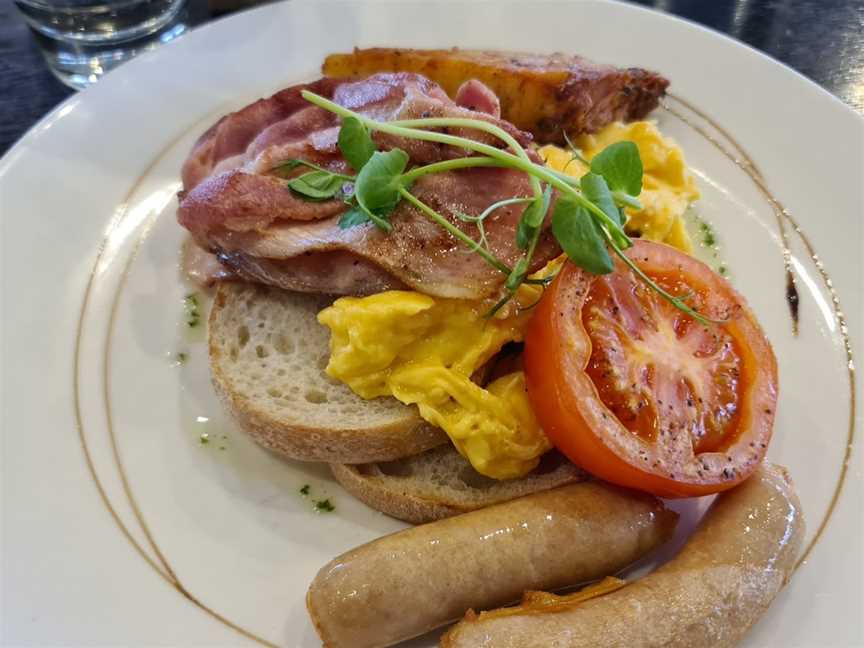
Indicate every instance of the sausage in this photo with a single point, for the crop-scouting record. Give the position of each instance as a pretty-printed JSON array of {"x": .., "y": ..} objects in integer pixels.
[
  {"x": 710, "y": 594},
  {"x": 412, "y": 581}
]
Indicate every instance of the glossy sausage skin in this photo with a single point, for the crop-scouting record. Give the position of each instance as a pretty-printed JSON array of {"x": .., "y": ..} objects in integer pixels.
[
  {"x": 710, "y": 594},
  {"x": 410, "y": 582}
]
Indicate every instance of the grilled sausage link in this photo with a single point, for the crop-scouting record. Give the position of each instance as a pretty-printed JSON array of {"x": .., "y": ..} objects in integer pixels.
[
  {"x": 710, "y": 594},
  {"x": 410, "y": 582}
]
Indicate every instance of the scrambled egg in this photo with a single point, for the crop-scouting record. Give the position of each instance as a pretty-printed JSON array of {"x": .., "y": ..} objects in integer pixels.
[
  {"x": 667, "y": 186},
  {"x": 423, "y": 350}
]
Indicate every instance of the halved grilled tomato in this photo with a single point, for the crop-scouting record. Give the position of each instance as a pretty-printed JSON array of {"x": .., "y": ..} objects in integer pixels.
[{"x": 642, "y": 395}]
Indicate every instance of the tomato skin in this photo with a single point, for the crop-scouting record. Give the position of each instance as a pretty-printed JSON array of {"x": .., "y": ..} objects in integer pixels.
[{"x": 577, "y": 422}]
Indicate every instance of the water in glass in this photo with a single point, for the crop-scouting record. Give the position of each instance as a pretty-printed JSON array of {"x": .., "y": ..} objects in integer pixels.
[{"x": 84, "y": 39}]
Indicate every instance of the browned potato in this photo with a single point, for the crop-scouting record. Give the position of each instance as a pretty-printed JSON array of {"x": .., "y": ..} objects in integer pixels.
[{"x": 543, "y": 94}]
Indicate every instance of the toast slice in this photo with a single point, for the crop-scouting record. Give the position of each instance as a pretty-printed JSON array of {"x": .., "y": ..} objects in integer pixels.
[
  {"x": 267, "y": 358},
  {"x": 440, "y": 482}
]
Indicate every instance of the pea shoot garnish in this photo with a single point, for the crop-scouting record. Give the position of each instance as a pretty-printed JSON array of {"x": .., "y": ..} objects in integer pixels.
[{"x": 587, "y": 219}]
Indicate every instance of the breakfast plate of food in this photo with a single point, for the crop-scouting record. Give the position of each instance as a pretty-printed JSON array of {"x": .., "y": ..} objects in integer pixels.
[{"x": 418, "y": 324}]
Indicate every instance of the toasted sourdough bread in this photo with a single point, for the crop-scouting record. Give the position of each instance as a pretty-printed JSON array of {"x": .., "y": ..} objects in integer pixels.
[
  {"x": 440, "y": 482},
  {"x": 267, "y": 358}
]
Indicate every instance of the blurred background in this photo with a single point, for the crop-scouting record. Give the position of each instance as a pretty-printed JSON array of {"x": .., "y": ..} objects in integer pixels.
[{"x": 822, "y": 39}]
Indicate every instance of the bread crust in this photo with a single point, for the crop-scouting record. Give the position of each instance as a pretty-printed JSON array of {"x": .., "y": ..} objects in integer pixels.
[
  {"x": 418, "y": 499},
  {"x": 395, "y": 503}
]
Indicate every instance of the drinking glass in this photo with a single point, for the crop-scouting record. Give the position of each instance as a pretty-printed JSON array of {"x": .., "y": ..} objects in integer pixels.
[{"x": 83, "y": 39}]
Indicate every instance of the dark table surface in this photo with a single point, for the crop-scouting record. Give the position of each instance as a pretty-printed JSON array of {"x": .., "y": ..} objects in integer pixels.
[{"x": 822, "y": 39}]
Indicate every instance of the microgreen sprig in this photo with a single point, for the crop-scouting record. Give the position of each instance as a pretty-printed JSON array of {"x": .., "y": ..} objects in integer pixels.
[
  {"x": 482, "y": 216},
  {"x": 289, "y": 165},
  {"x": 355, "y": 143},
  {"x": 677, "y": 301},
  {"x": 490, "y": 258},
  {"x": 587, "y": 219},
  {"x": 514, "y": 161},
  {"x": 575, "y": 152}
]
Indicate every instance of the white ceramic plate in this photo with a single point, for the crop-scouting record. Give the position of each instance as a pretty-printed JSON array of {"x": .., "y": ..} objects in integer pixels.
[{"x": 121, "y": 528}]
